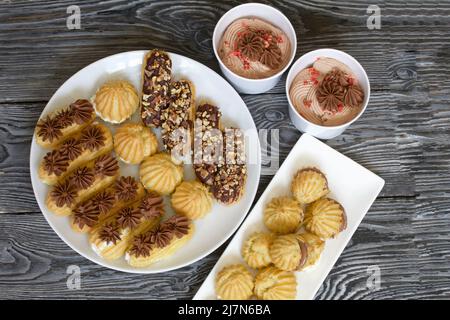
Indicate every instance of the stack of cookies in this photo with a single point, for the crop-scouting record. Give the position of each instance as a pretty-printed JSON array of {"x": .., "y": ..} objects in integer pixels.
[{"x": 298, "y": 226}]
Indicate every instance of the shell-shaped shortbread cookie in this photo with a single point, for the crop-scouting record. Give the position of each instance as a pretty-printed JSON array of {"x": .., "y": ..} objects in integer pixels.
[
  {"x": 325, "y": 218},
  {"x": 308, "y": 185},
  {"x": 315, "y": 247},
  {"x": 158, "y": 173},
  {"x": 192, "y": 199},
  {"x": 234, "y": 282},
  {"x": 283, "y": 215},
  {"x": 288, "y": 252},
  {"x": 116, "y": 101},
  {"x": 255, "y": 250},
  {"x": 272, "y": 283},
  {"x": 133, "y": 142}
]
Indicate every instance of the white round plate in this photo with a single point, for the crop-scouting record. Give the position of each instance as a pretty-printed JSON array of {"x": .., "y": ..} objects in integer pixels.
[{"x": 218, "y": 225}]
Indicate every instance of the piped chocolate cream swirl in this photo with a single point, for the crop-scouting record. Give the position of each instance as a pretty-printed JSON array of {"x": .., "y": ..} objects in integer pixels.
[
  {"x": 327, "y": 93},
  {"x": 254, "y": 48}
]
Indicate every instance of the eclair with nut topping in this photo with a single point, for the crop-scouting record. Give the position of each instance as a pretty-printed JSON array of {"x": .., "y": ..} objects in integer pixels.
[
  {"x": 208, "y": 142},
  {"x": 177, "y": 119},
  {"x": 156, "y": 77},
  {"x": 57, "y": 126},
  {"x": 83, "y": 146}
]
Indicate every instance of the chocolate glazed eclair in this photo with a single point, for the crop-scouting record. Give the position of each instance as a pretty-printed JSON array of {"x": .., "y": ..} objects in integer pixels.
[{"x": 156, "y": 77}]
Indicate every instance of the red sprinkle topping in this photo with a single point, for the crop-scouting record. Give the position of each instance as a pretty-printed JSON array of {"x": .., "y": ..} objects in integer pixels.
[
  {"x": 340, "y": 107},
  {"x": 307, "y": 103}
]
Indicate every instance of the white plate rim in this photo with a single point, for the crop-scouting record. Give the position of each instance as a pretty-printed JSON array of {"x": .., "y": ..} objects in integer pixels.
[
  {"x": 305, "y": 136},
  {"x": 100, "y": 261}
]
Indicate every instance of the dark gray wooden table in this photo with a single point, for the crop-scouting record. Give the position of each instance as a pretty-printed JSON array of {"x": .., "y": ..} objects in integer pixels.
[{"x": 404, "y": 136}]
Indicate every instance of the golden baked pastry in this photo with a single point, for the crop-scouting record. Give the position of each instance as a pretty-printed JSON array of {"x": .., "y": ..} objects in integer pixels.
[
  {"x": 234, "y": 282},
  {"x": 83, "y": 182},
  {"x": 288, "y": 252},
  {"x": 255, "y": 250},
  {"x": 133, "y": 142},
  {"x": 111, "y": 238},
  {"x": 308, "y": 185},
  {"x": 107, "y": 201},
  {"x": 154, "y": 245},
  {"x": 116, "y": 101},
  {"x": 158, "y": 173},
  {"x": 325, "y": 218},
  {"x": 192, "y": 199},
  {"x": 272, "y": 283},
  {"x": 91, "y": 142},
  {"x": 315, "y": 248},
  {"x": 59, "y": 125},
  {"x": 283, "y": 215}
]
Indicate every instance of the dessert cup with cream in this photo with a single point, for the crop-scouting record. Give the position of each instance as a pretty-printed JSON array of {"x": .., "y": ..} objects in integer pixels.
[
  {"x": 327, "y": 90},
  {"x": 254, "y": 44}
]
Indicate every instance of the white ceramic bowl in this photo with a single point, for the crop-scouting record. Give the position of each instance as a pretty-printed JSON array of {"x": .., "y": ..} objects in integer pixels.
[
  {"x": 264, "y": 12},
  {"x": 305, "y": 61}
]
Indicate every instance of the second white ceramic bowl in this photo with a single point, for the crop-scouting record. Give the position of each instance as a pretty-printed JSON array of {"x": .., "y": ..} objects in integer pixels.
[
  {"x": 305, "y": 61},
  {"x": 264, "y": 12}
]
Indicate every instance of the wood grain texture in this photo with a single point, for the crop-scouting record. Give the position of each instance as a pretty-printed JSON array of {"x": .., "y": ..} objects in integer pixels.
[{"x": 403, "y": 136}]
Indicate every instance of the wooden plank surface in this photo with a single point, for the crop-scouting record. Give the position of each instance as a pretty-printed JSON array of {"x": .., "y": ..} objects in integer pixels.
[{"x": 404, "y": 136}]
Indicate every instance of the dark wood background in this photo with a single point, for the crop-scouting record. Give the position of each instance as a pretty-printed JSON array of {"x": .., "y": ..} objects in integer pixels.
[{"x": 404, "y": 136}]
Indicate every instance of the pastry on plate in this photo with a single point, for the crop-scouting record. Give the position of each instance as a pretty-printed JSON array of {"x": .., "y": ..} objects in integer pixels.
[
  {"x": 91, "y": 142},
  {"x": 152, "y": 246},
  {"x": 107, "y": 201},
  {"x": 229, "y": 181},
  {"x": 288, "y": 252},
  {"x": 283, "y": 215},
  {"x": 325, "y": 218},
  {"x": 255, "y": 250},
  {"x": 78, "y": 186},
  {"x": 59, "y": 125},
  {"x": 159, "y": 173},
  {"x": 133, "y": 142},
  {"x": 192, "y": 199},
  {"x": 272, "y": 283},
  {"x": 315, "y": 248},
  {"x": 177, "y": 120},
  {"x": 116, "y": 101},
  {"x": 156, "y": 78},
  {"x": 234, "y": 282},
  {"x": 208, "y": 143},
  {"x": 111, "y": 238},
  {"x": 308, "y": 185}
]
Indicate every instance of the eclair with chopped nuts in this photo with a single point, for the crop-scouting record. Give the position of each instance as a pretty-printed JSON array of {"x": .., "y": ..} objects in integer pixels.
[
  {"x": 208, "y": 142},
  {"x": 156, "y": 78},
  {"x": 229, "y": 181},
  {"x": 91, "y": 142},
  {"x": 177, "y": 119},
  {"x": 111, "y": 238},
  {"x": 57, "y": 126},
  {"x": 81, "y": 184},
  {"x": 105, "y": 203}
]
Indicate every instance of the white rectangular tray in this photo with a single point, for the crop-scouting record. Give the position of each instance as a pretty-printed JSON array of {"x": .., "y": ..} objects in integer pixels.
[{"x": 355, "y": 187}]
